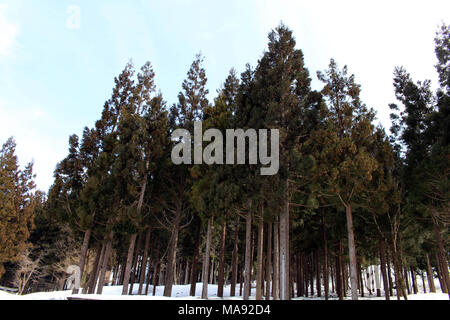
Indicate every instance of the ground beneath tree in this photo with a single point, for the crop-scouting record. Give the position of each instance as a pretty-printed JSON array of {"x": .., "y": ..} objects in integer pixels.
[{"x": 181, "y": 292}]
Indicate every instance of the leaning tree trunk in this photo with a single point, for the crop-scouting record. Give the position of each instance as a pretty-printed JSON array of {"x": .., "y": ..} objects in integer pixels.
[
  {"x": 135, "y": 264},
  {"x": 107, "y": 255},
  {"x": 83, "y": 253},
  {"x": 195, "y": 261},
  {"x": 222, "y": 260},
  {"x": 248, "y": 243},
  {"x": 352, "y": 253},
  {"x": 234, "y": 259},
  {"x": 140, "y": 204},
  {"x": 206, "y": 260},
  {"x": 399, "y": 281},
  {"x": 86, "y": 287},
  {"x": 127, "y": 271},
  {"x": 96, "y": 271},
  {"x": 269, "y": 260},
  {"x": 259, "y": 265},
  {"x": 144, "y": 261}
]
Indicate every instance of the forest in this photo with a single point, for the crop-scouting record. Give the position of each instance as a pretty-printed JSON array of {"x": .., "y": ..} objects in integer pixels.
[{"x": 349, "y": 194}]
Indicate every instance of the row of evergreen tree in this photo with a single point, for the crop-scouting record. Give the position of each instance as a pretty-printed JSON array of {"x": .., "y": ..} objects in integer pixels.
[{"x": 347, "y": 195}]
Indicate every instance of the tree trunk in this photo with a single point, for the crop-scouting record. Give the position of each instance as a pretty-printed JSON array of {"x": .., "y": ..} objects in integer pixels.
[
  {"x": 194, "y": 267},
  {"x": 405, "y": 272},
  {"x": 344, "y": 269},
  {"x": 388, "y": 269},
  {"x": 293, "y": 275},
  {"x": 311, "y": 272},
  {"x": 248, "y": 253},
  {"x": 339, "y": 283},
  {"x": 284, "y": 248},
  {"x": 172, "y": 255},
  {"x": 241, "y": 269},
  {"x": 116, "y": 273},
  {"x": 423, "y": 282},
  {"x": 126, "y": 278},
  {"x": 326, "y": 282},
  {"x": 83, "y": 253},
  {"x": 144, "y": 261},
  {"x": 105, "y": 262},
  {"x": 149, "y": 273},
  {"x": 135, "y": 264},
  {"x": 305, "y": 274},
  {"x": 234, "y": 259},
  {"x": 212, "y": 268},
  {"x": 441, "y": 256},
  {"x": 399, "y": 281},
  {"x": 361, "y": 281},
  {"x": 430, "y": 276},
  {"x": 259, "y": 265},
  {"x": 439, "y": 273},
  {"x": 332, "y": 277},
  {"x": 96, "y": 271},
  {"x": 252, "y": 255},
  {"x": 222, "y": 261},
  {"x": 352, "y": 253},
  {"x": 269, "y": 261},
  {"x": 276, "y": 262},
  {"x": 157, "y": 267},
  {"x": 206, "y": 260},
  {"x": 318, "y": 284},
  {"x": 413, "y": 280},
  {"x": 187, "y": 272},
  {"x": 89, "y": 283},
  {"x": 383, "y": 269},
  {"x": 298, "y": 275}
]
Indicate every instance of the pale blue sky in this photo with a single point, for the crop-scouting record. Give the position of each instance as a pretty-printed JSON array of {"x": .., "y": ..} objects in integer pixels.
[{"x": 54, "y": 79}]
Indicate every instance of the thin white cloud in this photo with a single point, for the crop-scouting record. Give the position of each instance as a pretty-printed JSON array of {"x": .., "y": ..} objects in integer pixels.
[{"x": 8, "y": 32}]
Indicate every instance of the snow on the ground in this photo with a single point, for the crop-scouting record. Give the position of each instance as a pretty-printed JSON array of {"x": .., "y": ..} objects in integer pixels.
[{"x": 181, "y": 292}]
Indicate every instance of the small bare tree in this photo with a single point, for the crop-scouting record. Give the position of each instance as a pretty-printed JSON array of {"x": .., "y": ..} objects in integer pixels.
[{"x": 29, "y": 270}]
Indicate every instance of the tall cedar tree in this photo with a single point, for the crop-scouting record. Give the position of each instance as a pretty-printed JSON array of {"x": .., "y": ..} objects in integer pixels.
[{"x": 16, "y": 205}]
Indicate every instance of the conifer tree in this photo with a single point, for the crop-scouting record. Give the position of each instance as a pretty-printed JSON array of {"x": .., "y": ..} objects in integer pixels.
[
  {"x": 281, "y": 99},
  {"x": 192, "y": 100},
  {"x": 344, "y": 164},
  {"x": 16, "y": 205}
]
